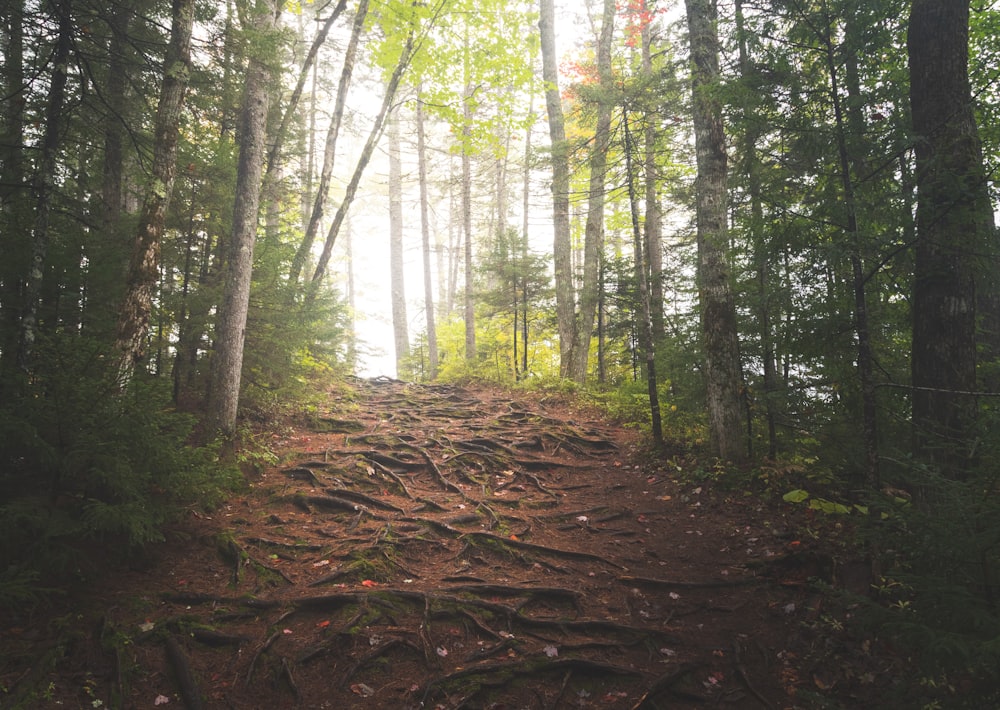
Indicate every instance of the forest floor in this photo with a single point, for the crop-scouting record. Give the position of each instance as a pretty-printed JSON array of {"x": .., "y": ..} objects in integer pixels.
[{"x": 427, "y": 546}]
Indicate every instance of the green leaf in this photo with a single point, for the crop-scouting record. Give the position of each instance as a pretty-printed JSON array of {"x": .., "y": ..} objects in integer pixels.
[{"x": 796, "y": 496}]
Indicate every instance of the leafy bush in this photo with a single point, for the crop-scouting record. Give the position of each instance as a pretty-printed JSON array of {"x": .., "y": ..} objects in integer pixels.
[
  {"x": 940, "y": 590},
  {"x": 81, "y": 462}
]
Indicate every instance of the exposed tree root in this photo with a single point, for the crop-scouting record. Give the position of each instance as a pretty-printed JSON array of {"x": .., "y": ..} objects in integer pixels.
[
  {"x": 505, "y": 671},
  {"x": 677, "y": 584},
  {"x": 664, "y": 683},
  {"x": 187, "y": 686},
  {"x": 543, "y": 549}
]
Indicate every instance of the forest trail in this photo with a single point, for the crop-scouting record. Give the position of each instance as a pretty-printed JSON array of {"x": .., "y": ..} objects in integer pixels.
[{"x": 425, "y": 546}]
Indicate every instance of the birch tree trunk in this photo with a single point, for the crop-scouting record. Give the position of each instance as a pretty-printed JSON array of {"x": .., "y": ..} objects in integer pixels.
[
  {"x": 653, "y": 224},
  {"x": 144, "y": 264},
  {"x": 330, "y": 147},
  {"x": 718, "y": 310},
  {"x": 561, "y": 246},
  {"x": 425, "y": 239},
  {"x": 401, "y": 336},
  {"x": 230, "y": 330},
  {"x": 366, "y": 155}
]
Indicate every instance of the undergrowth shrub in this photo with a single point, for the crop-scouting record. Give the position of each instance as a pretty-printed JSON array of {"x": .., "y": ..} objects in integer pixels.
[
  {"x": 940, "y": 591},
  {"x": 82, "y": 464}
]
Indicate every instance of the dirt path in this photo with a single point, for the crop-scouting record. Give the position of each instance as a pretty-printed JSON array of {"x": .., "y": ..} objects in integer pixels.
[{"x": 441, "y": 547}]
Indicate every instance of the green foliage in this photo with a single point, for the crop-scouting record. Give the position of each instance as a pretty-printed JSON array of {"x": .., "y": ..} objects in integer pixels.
[
  {"x": 81, "y": 464},
  {"x": 940, "y": 537}
]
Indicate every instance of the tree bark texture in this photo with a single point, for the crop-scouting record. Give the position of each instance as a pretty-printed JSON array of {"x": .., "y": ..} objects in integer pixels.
[
  {"x": 953, "y": 215},
  {"x": 470, "y": 303},
  {"x": 645, "y": 328},
  {"x": 653, "y": 223},
  {"x": 718, "y": 311},
  {"x": 561, "y": 245},
  {"x": 230, "y": 329},
  {"x": 400, "y": 332},
  {"x": 425, "y": 240},
  {"x": 593, "y": 245},
  {"x": 144, "y": 264}
]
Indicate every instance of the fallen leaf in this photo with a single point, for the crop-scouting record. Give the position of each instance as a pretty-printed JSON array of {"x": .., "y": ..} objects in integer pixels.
[
  {"x": 365, "y": 691},
  {"x": 368, "y": 583}
]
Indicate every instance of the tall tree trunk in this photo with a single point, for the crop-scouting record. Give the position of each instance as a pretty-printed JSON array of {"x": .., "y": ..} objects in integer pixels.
[
  {"x": 352, "y": 338},
  {"x": 44, "y": 183},
  {"x": 653, "y": 224},
  {"x": 401, "y": 336},
  {"x": 425, "y": 239},
  {"x": 751, "y": 169},
  {"x": 561, "y": 245},
  {"x": 645, "y": 328},
  {"x": 230, "y": 330},
  {"x": 525, "y": 225},
  {"x": 470, "y": 304},
  {"x": 291, "y": 110},
  {"x": 330, "y": 147},
  {"x": 144, "y": 265},
  {"x": 366, "y": 155},
  {"x": 593, "y": 246},
  {"x": 12, "y": 185},
  {"x": 862, "y": 328},
  {"x": 718, "y": 310},
  {"x": 953, "y": 225}
]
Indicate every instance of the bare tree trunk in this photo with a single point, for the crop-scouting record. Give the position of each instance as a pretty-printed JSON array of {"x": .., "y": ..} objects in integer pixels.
[
  {"x": 751, "y": 169},
  {"x": 454, "y": 238},
  {"x": 330, "y": 148},
  {"x": 230, "y": 331},
  {"x": 43, "y": 185},
  {"x": 561, "y": 245},
  {"x": 366, "y": 155},
  {"x": 352, "y": 339},
  {"x": 642, "y": 286},
  {"x": 308, "y": 62},
  {"x": 594, "y": 231},
  {"x": 653, "y": 225},
  {"x": 470, "y": 305},
  {"x": 401, "y": 336},
  {"x": 718, "y": 309},
  {"x": 525, "y": 223},
  {"x": 954, "y": 224},
  {"x": 425, "y": 235},
  {"x": 862, "y": 328},
  {"x": 144, "y": 265},
  {"x": 12, "y": 177}
]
